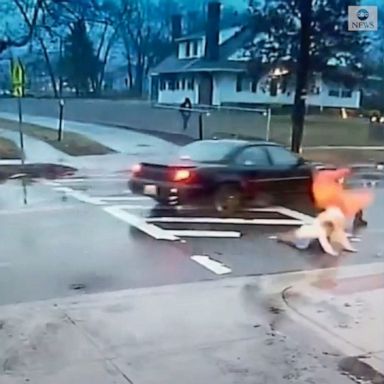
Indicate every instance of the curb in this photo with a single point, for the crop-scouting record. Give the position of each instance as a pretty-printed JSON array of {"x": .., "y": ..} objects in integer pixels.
[{"x": 363, "y": 360}]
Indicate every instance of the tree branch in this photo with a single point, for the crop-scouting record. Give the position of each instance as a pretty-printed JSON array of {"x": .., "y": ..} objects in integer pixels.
[{"x": 7, "y": 43}]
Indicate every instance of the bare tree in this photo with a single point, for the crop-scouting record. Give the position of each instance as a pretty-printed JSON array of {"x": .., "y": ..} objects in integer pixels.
[
  {"x": 9, "y": 41},
  {"x": 22, "y": 6},
  {"x": 145, "y": 32}
]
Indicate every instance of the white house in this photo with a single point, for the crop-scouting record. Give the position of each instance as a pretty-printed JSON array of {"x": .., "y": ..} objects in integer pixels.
[{"x": 212, "y": 68}]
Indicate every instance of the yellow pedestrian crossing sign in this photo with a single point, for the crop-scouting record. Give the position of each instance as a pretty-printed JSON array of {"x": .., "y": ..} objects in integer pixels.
[{"x": 18, "y": 78}]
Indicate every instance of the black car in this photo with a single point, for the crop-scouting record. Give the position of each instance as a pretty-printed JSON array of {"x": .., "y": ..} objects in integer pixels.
[{"x": 226, "y": 174}]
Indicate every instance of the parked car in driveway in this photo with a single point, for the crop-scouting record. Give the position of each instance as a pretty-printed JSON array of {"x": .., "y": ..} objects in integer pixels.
[{"x": 226, "y": 174}]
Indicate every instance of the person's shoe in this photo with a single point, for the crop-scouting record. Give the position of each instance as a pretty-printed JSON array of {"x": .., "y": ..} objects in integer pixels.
[{"x": 359, "y": 223}]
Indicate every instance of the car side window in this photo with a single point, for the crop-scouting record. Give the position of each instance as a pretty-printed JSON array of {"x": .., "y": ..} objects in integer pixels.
[
  {"x": 253, "y": 156},
  {"x": 281, "y": 156}
]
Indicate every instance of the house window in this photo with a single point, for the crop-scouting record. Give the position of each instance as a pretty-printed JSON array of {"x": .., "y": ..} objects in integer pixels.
[
  {"x": 191, "y": 84},
  {"x": 273, "y": 87},
  {"x": 187, "y": 49},
  {"x": 253, "y": 86},
  {"x": 177, "y": 84},
  {"x": 334, "y": 93},
  {"x": 316, "y": 90},
  {"x": 183, "y": 83},
  {"x": 195, "y": 48},
  {"x": 346, "y": 93},
  {"x": 239, "y": 83},
  {"x": 162, "y": 84},
  {"x": 171, "y": 85},
  {"x": 283, "y": 84}
]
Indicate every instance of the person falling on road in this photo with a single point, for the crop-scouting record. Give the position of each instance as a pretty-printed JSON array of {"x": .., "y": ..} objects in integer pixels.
[
  {"x": 339, "y": 206},
  {"x": 328, "y": 228}
]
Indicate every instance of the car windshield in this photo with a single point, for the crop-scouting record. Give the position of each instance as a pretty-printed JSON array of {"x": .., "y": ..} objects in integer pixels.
[{"x": 206, "y": 151}]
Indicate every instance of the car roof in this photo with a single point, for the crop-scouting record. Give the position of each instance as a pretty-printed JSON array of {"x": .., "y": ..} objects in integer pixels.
[{"x": 241, "y": 142}]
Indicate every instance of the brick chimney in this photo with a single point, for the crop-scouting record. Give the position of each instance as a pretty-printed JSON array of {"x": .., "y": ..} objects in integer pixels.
[
  {"x": 212, "y": 31},
  {"x": 176, "y": 27}
]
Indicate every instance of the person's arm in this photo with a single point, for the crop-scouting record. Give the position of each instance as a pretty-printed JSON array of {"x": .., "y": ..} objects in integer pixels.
[
  {"x": 340, "y": 236},
  {"x": 326, "y": 245}
]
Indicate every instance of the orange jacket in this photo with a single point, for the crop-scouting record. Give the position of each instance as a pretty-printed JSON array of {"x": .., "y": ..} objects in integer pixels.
[{"x": 328, "y": 191}]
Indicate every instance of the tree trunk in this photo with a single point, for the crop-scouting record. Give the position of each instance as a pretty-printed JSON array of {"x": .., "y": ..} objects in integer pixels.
[
  {"x": 49, "y": 68},
  {"x": 302, "y": 71},
  {"x": 130, "y": 74},
  {"x": 104, "y": 62},
  {"x": 139, "y": 76}
]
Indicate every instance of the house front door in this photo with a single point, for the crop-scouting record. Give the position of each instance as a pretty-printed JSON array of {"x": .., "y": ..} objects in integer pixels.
[{"x": 205, "y": 89}]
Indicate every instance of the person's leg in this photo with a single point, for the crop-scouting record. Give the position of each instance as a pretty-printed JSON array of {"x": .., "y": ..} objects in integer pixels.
[
  {"x": 290, "y": 238},
  {"x": 339, "y": 236},
  {"x": 359, "y": 221}
]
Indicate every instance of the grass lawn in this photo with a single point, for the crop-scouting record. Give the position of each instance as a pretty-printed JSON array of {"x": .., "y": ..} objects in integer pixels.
[
  {"x": 73, "y": 144},
  {"x": 344, "y": 156},
  {"x": 326, "y": 130},
  {"x": 9, "y": 150},
  {"x": 319, "y": 129}
]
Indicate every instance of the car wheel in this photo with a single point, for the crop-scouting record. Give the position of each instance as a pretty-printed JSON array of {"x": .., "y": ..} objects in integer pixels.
[{"x": 227, "y": 199}]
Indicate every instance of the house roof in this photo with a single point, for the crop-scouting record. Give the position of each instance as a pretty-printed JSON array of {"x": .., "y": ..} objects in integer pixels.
[
  {"x": 174, "y": 65},
  {"x": 240, "y": 38}
]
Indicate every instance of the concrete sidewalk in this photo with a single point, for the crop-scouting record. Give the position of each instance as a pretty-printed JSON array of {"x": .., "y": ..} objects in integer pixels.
[
  {"x": 36, "y": 151},
  {"x": 120, "y": 140},
  {"x": 346, "y": 309},
  {"x": 226, "y": 331},
  {"x": 130, "y": 146}
]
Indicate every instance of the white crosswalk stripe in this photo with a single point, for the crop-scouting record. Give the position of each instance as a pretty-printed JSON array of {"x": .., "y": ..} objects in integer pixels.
[{"x": 138, "y": 212}]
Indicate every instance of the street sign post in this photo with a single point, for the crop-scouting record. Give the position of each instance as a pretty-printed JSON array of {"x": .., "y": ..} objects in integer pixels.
[
  {"x": 61, "y": 113},
  {"x": 18, "y": 84}
]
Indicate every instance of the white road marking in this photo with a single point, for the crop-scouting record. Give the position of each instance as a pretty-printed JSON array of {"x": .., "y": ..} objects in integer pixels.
[
  {"x": 69, "y": 180},
  {"x": 213, "y": 265},
  {"x": 81, "y": 196},
  {"x": 50, "y": 183},
  {"x": 125, "y": 198},
  {"x": 152, "y": 230},
  {"x": 212, "y": 234},
  {"x": 139, "y": 207},
  {"x": 217, "y": 220},
  {"x": 294, "y": 214},
  {"x": 93, "y": 179}
]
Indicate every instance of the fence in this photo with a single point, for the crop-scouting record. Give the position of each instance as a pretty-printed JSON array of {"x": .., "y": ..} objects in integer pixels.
[
  {"x": 204, "y": 122},
  {"x": 320, "y": 129}
]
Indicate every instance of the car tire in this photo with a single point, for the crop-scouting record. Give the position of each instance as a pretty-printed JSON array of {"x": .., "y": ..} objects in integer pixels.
[{"x": 227, "y": 199}]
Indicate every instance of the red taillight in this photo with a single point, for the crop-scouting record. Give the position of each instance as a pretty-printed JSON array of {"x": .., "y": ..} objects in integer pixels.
[
  {"x": 181, "y": 175},
  {"x": 136, "y": 169}
]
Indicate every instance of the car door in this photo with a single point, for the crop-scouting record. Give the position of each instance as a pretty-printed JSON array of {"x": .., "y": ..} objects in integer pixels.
[
  {"x": 291, "y": 175},
  {"x": 254, "y": 165}
]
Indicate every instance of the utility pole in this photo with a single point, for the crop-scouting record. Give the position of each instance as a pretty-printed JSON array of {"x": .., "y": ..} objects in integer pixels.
[
  {"x": 302, "y": 71},
  {"x": 61, "y": 47}
]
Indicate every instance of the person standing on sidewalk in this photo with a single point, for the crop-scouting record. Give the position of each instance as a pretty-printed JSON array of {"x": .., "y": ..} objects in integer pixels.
[{"x": 185, "y": 110}]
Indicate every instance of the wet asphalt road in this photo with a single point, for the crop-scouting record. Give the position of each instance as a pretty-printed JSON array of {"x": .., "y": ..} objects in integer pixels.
[{"x": 59, "y": 239}]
